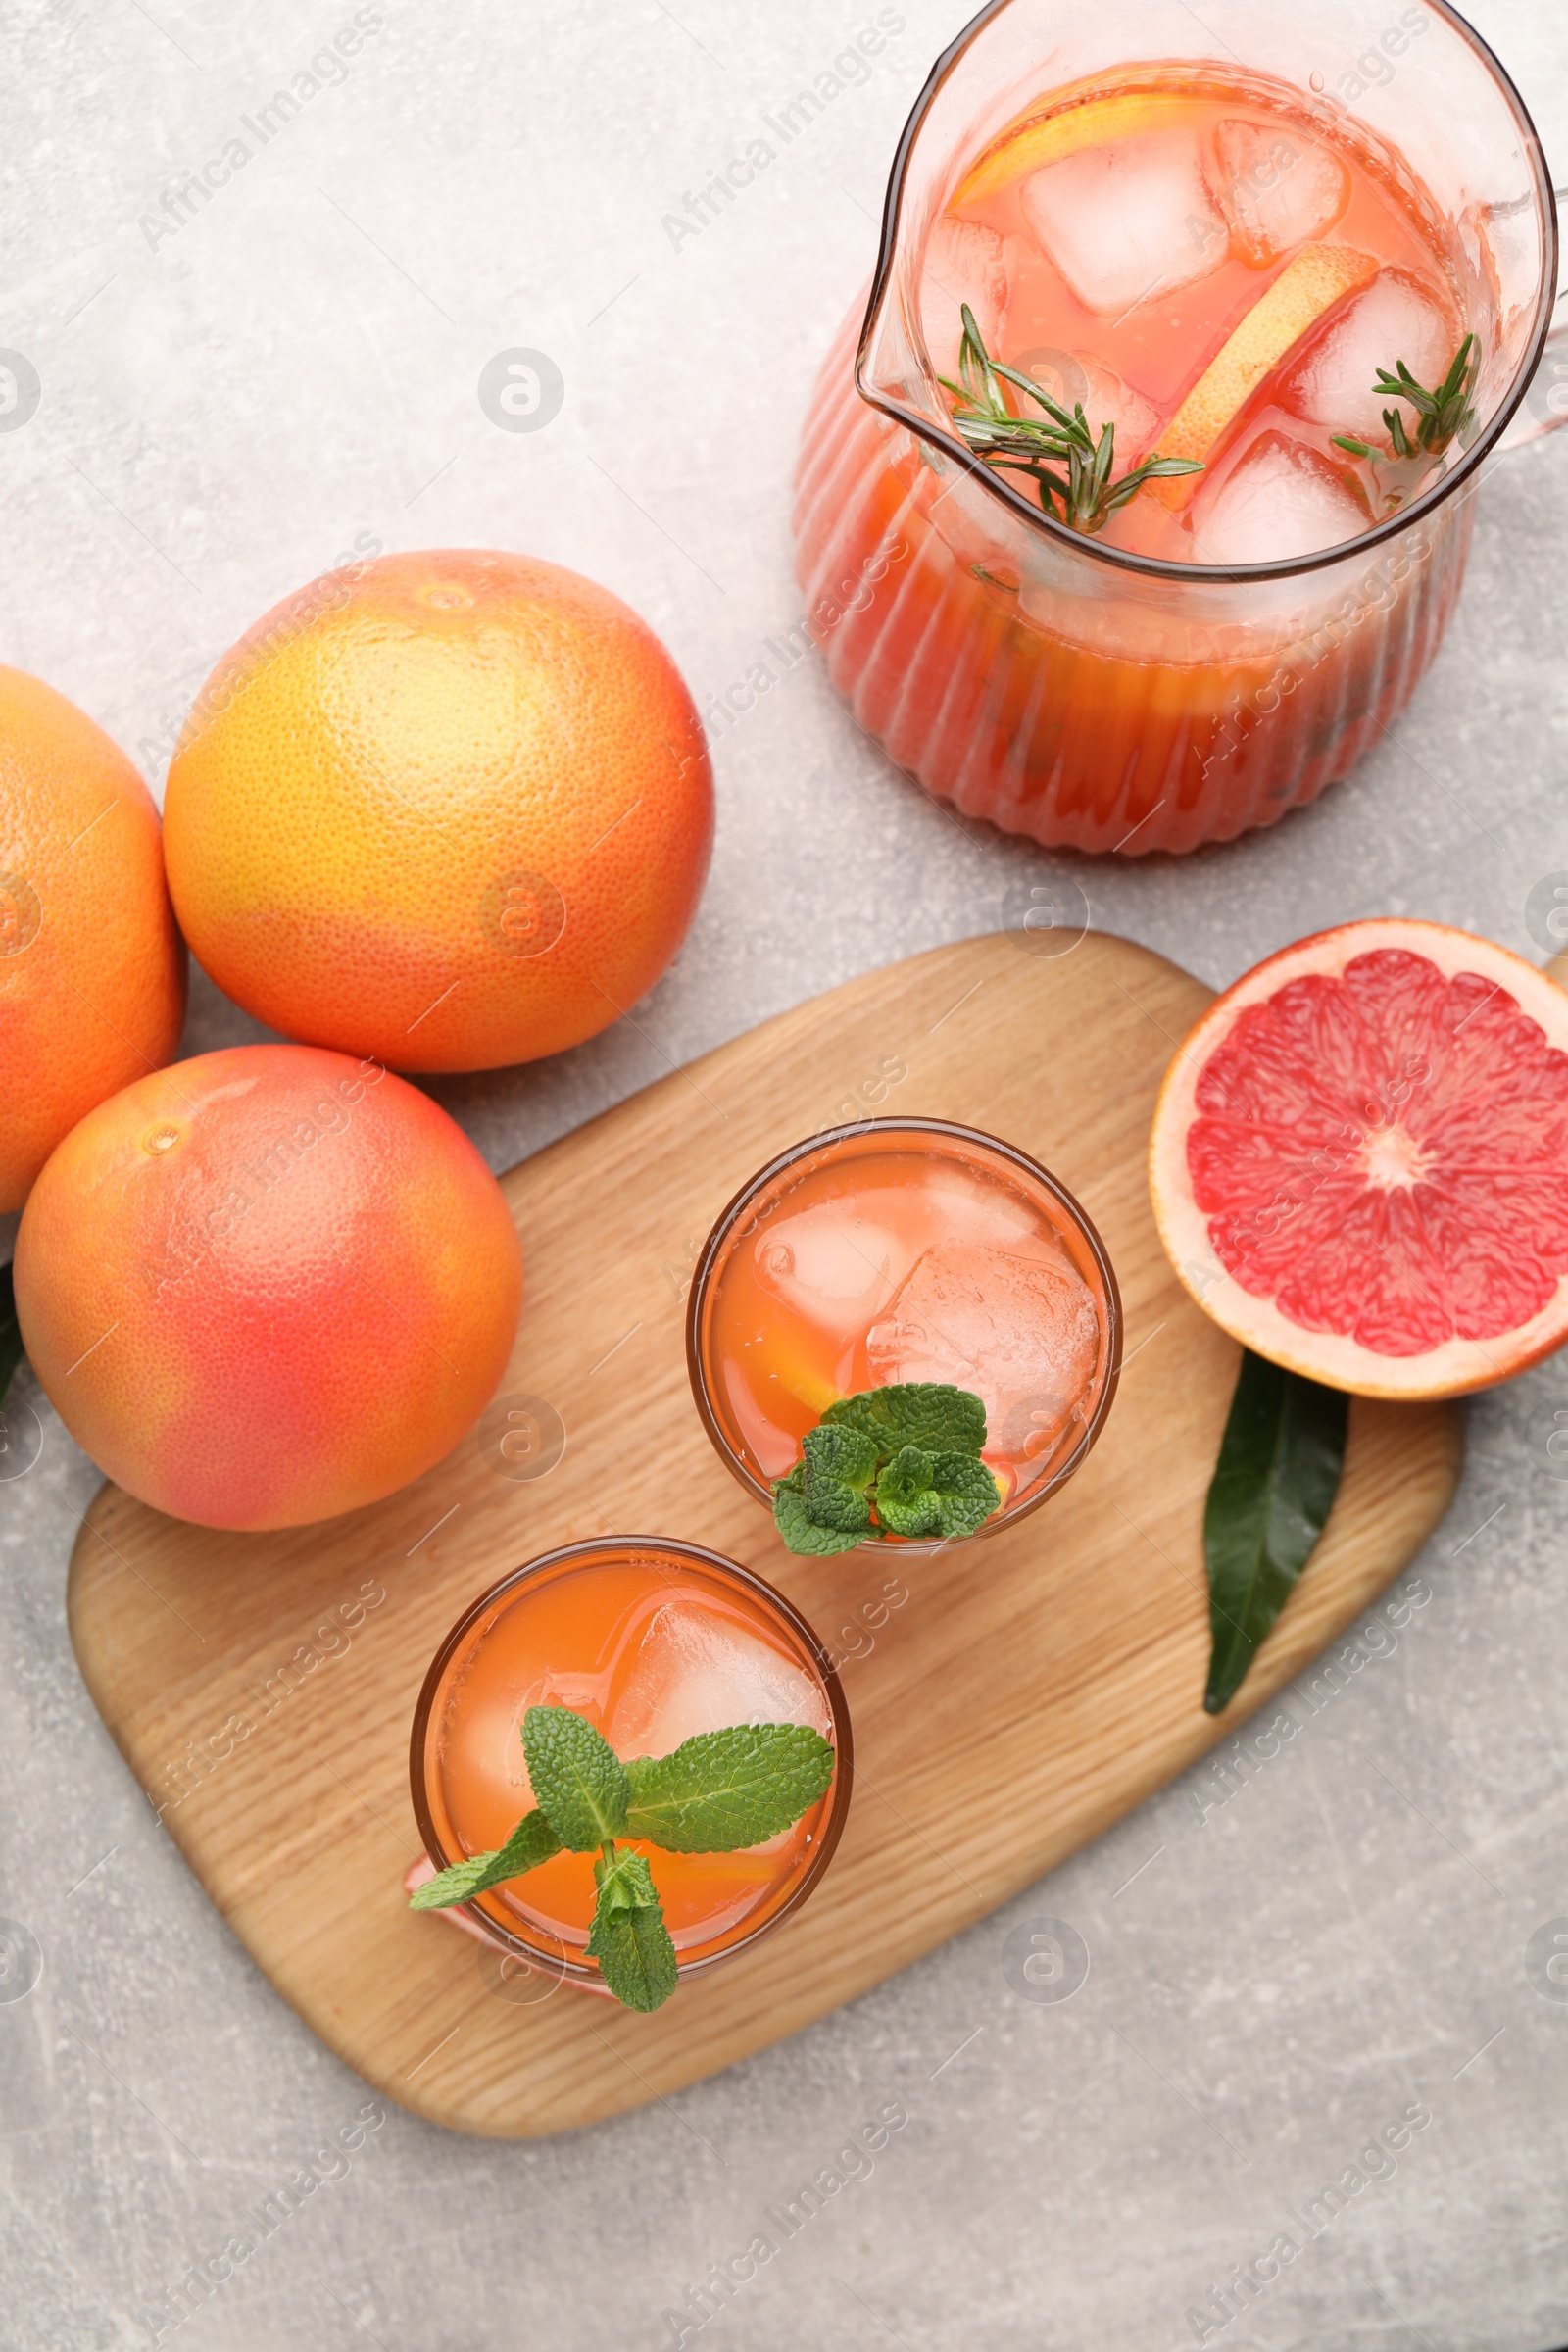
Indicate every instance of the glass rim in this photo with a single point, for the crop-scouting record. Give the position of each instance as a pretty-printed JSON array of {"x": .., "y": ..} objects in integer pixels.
[
  {"x": 952, "y": 1130},
  {"x": 778, "y": 1603},
  {"x": 1162, "y": 567}
]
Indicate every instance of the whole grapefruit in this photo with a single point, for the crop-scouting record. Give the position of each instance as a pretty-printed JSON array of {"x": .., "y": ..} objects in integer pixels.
[
  {"x": 267, "y": 1285},
  {"x": 452, "y": 809},
  {"x": 92, "y": 971},
  {"x": 1359, "y": 1160}
]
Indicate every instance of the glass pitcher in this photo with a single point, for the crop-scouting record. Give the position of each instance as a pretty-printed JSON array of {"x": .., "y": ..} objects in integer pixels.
[{"x": 1067, "y": 689}]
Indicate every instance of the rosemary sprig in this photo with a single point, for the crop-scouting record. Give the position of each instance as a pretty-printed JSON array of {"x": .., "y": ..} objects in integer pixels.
[
  {"x": 1041, "y": 447},
  {"x": 1440, "y": 415}
]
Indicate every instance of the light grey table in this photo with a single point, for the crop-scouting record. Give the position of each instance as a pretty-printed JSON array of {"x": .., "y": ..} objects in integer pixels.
[{"x": 1276, "y": 1974}]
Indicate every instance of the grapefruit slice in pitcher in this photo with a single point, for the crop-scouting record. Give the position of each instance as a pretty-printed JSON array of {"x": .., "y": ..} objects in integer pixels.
[{"x": 1359, "y": 1160}]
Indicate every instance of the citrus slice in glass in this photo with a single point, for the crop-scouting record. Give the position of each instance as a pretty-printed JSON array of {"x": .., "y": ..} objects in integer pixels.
[{"x": 1359, "y": 1160}]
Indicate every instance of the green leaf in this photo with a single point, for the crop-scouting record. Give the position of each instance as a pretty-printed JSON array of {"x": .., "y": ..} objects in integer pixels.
[
  {"x": 531, "y": 1842},
  {"x": 802, "y": 1533},
  {"x": 628, "y": 1937},
  {"x": 840, "y": 1464},
  {"x": 928, "y": 1413},
  {"x": 578, "y": 1780},
  {"x": 837, "y": 1454},
  {"x": 10, "y": 1348},
  {"x": 624, "y": 1880},
  {"x": 636, "y": 1957},
  {"x": 824, "y": 1505},
  {"x": 1273, "y": 1486},
  {"x": 721, "y": 1791},
  {"x": 944, "y": 1495}
]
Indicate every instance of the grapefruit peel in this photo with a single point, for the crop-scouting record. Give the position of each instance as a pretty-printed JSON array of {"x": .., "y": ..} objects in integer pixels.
[
  {"x": 1052, "y": 138},
  {"x": 1305, "y": 291},
  {"x": 1359, "y": 1160}
]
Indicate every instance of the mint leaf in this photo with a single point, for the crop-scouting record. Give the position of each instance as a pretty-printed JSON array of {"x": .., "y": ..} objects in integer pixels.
[
  {"x": 10, "y": 1348},
  {"x": 905, "y": 1495},
  {"x": 531, "y": 1842},
  {"x": 840, "y": 1455},
  {"x": 578, "y": 1780},
  {"x": 635, "y": 1957},
  {"x": 1273, "y": 1488},
  {"x": 721, "y": 1791},
  {"x": 929, "y": 1414},
  {"x": 840, "y": 1464},
  {"x": 624, "y": 1881},
  {"x": 800, "y": 1530},
  {"x": 628, "y": 1937},
  {"x": 944, "y": 1495},
  {"x": 824, "y": 1505}
]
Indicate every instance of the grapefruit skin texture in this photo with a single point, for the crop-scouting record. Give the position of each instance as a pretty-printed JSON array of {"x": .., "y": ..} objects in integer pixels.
[
  {"x": 453, "y": 810},
  {"x": 266, "y": 1286},
  {"x": 92, "y": 970},
  {"x": 1359, "y": 1160}
]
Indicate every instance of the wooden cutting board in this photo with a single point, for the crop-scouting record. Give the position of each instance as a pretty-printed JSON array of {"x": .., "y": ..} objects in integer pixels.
[{"x": 1042, "y": 1682}]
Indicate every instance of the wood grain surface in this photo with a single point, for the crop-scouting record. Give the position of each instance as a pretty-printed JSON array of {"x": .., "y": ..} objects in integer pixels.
[{"x": 1043, "y": 1681}]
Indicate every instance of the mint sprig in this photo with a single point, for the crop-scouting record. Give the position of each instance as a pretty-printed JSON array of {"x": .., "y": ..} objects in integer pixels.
[
  {"x": 715, "y": 1794},
  {"x": 904, "y": 1460}
]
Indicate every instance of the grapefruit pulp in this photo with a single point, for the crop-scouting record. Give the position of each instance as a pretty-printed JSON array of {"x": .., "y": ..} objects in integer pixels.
[{"x": 1359, "y": 1160}]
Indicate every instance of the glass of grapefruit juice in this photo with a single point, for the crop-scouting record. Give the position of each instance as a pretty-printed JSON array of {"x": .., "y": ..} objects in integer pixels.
[
  {"x": 905, "y": 1250},
  {"x": 654, "y": 1641},
  {"x": 1213, "y": 237}
]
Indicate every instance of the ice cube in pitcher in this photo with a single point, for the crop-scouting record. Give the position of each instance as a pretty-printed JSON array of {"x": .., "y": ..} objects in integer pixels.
[
  {"x": 1276, "y": 188},
  {"x": 1127, "y": 220},
  {"x": 965, "y": 261},
  {"x": 1279, "y": 499},
  {"x": 1076, "y": 379},
  {"x": 1395, "y": 317}
]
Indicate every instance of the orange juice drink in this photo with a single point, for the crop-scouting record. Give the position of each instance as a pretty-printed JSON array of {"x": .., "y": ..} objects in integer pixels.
[
  {"x": 905, "y": 1250},
  {"x": 654, "y": 1641}
]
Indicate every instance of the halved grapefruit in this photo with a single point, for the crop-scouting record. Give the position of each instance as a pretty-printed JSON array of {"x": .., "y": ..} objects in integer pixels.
[{"x": 1359, "y": 1160}]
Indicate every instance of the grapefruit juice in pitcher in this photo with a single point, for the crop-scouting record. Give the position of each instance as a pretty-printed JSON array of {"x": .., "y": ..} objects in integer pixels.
[{"x": 1142, "y": 504}]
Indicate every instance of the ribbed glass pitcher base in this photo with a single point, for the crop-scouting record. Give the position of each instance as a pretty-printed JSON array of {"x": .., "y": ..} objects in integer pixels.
[{"x": 1084, "y": 705}]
